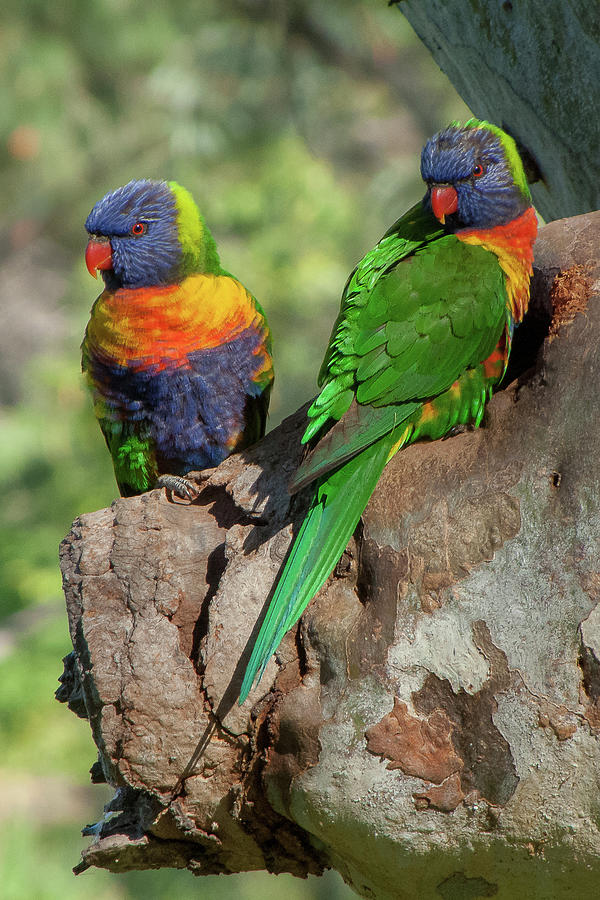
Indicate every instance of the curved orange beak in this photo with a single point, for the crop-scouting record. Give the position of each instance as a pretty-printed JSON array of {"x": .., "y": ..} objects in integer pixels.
[
  {"x": 444, "y": 201},
  {"x": 98, "y": 255}
]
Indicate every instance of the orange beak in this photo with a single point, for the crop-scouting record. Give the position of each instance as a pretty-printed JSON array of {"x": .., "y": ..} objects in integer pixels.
[
  {"x": 98, "y": 255},
  {"x": 444, "y": 201}
]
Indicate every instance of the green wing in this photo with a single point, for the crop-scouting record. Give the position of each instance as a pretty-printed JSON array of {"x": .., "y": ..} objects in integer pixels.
[{"x": 415, "y": 315}]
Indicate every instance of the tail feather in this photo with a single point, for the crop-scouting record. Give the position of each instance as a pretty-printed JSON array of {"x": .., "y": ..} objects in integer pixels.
[{"x": 339, "y": 500}]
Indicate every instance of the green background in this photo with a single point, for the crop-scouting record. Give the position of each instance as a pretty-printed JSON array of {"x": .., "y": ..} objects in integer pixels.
[{"x": 297, "y": 126}]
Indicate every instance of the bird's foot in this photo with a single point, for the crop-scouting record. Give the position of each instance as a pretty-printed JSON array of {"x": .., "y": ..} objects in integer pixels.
[{"x": 179, "y": 486}]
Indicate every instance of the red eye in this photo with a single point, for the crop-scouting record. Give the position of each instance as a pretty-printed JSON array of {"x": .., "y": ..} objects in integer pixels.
[
  {"x": 478, "y": 171},
  {"x": 139, "y": 228}
]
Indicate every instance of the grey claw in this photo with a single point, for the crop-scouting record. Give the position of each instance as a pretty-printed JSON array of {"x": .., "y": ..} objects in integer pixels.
[{"x": 176, "y": 484}]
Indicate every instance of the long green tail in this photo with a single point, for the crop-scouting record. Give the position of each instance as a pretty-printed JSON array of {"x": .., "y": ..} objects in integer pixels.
[{"x": 338, "y": 502}]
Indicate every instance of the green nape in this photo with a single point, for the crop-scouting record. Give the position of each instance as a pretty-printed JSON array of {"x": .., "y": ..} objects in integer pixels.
[{"x": 198, "y": 247}]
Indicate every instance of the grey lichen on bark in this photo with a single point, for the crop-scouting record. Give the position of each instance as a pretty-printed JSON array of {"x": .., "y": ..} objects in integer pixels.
[
  {"x": 534, "y": 68},
  {"x": 431, "y": 726}
]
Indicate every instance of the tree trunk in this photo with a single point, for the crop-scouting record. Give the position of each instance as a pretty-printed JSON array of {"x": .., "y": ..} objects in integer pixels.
[
  {"x": 430, "y": 728},
  {"x": 534, "y": 68}
]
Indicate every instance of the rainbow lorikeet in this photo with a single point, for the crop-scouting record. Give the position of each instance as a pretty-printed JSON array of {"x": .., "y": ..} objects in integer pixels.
[
  {"x": 177, "y": 353},
  {"x": 423, "y": 336}
]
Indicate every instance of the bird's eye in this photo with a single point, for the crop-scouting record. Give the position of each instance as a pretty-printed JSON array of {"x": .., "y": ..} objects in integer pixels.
[
  {"x": 478, "y": 170},
  {"x": 139, "y": 228}
]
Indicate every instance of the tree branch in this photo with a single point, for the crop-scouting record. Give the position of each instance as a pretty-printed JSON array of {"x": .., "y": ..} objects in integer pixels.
[{"x": 435, "y": 712}]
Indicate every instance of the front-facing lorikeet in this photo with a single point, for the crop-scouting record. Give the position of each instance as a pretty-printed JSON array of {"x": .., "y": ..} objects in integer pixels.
[
  {"x": 177, "y": 353},
  {"x": 423, "y": 336}
]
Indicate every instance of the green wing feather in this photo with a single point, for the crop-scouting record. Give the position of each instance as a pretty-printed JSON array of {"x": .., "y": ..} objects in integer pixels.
[
  {"x": 427, "y": 330},
  {"x": 358, "y": 428},
  {"x": 419, "y": 312}
]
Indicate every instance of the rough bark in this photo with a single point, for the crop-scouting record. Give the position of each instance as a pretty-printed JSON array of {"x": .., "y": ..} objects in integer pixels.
[
  {"x": 431, "y": 727},
  {"x": 534, "y": 68}
]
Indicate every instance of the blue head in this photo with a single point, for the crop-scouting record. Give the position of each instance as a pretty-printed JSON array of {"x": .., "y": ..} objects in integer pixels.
[
  {"x": 148, "y": 233},
  {"x": 474, "y": 176}
]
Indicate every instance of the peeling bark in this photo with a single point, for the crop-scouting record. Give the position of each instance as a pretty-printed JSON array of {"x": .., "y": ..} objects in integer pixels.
[{"x": 431, "y": 726}]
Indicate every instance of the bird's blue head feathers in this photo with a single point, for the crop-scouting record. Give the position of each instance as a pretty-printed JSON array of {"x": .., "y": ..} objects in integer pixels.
[
  {"x": 153, "y": 255},
  {"x": 481, "y": 162},
  {"x": 156, "y": 234}
]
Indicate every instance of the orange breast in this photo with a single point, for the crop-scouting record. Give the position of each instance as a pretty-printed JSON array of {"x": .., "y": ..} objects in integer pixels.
[
  {"x": 162, "y": 325},
  {"x": 513, "y": 245}
]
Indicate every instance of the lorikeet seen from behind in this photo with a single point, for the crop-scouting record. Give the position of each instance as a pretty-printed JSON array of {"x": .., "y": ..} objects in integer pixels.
[
  {"x": 177, "y": 353},
  {"x": 423, "y": 336}
]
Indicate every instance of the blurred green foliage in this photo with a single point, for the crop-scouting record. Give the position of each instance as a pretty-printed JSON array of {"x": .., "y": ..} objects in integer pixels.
[{"x": 297, "y": 126}]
